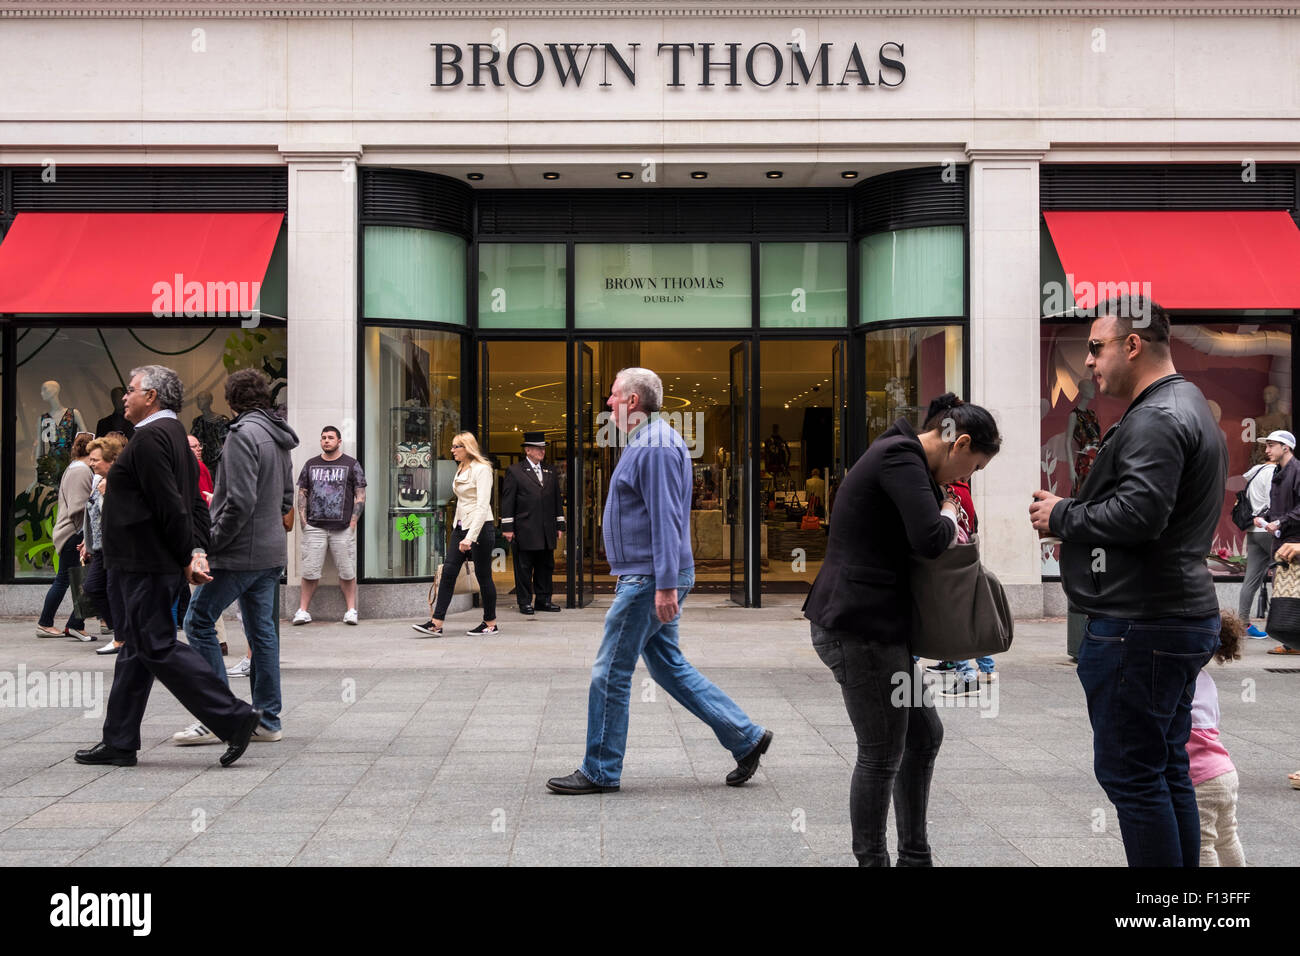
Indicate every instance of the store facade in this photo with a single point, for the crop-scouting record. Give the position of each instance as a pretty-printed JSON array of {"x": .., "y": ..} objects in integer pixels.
[{"x": 810, "y": 221}]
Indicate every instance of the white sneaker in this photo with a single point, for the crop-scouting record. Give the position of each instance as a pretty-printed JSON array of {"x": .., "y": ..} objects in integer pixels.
[
  {"x": 241, "y": 669},
  {"x": 301, "y": 617},
  {"x": 263, "y": 735},
  {"x": 351, "y": 616},
  {"x": 194, "y": 734}
]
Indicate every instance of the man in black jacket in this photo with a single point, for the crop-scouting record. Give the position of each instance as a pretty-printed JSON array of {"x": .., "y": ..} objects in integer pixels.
[
  {"x": 1283, "y": 517},
  {"x": 1133, "y": 552},
  {"x": 155, "y": 525},
  {"x": 532, "y": 519}
]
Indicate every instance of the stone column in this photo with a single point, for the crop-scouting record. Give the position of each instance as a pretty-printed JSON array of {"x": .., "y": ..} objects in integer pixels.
[
  {"x": 322, "y": 319},
  {"x": 1004, "y": 351}
]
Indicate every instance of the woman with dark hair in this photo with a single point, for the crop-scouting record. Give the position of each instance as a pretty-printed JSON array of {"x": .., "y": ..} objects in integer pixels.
[
  {"x": 890, "y": 507},
  {"x": 74, "y": 490}
]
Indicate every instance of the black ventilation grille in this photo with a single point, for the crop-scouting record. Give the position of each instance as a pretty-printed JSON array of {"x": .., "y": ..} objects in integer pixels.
[
  {"x": 407, "y": 197},
  {"x": 150, "y": 189},
  {"x": 1154, "y": 187},
  {"x": 663, "y": 212},
  {"x": 929, "y": 196}
]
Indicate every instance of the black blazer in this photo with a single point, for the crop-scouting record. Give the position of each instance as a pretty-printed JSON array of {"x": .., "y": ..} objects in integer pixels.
[
  {"x": 534, "y": 512},
  {"x": 886, "y": 510},
  {"x": 154, "y": 515}
]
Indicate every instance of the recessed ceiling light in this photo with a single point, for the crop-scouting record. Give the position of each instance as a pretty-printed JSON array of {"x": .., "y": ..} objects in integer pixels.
[
  {"x": 549, "y": 176},
  {"x": 774, "y": 174},
  {"x": 474, "y": 176},
  {"x": 699, "y": 174},
  {"x": 624, "y": 174},
  {"x": 849, "y": 174}
]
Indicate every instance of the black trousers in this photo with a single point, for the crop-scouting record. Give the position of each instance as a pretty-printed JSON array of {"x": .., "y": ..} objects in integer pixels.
[
  {"x": 481, "y": 554},
  {"x": 150, "y": 650},
  {"x": 96, "y": 590},
  {"x": 534, "y": 576}
]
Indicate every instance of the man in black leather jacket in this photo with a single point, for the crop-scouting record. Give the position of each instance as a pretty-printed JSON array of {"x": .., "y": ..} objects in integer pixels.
[{"x": 1133, "y": 552}]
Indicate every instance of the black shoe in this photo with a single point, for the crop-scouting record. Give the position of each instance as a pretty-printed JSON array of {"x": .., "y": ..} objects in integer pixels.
[
  {"x": 548, "y": 607},
  {"x": 428, "y": 628},
  {"x": 239, "y": 742},
  {"x": 483, "y": 628},
  {"x": 525, "y": 609},
  {"x": 102, "y": 753},
  {"x": 962, "y": 688},
  {"x": 942, "y": 667},
  {"x": 747, "y": 765},
  {"x": 576, "y": 782}
]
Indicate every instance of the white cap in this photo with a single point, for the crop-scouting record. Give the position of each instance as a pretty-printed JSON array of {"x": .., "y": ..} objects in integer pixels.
[{"x": 1286, "y": 438}]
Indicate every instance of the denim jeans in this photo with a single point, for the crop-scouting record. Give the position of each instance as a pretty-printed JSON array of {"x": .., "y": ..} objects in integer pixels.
[
  {"x": 898, "y": 733},
  {"x": 68, "y": 559},
  {"x": 966, "y": 670},
  {"x": 255, "y": 591},
  {"x": 633, "y": 630},
  {"x": 1139, "y": 678}
]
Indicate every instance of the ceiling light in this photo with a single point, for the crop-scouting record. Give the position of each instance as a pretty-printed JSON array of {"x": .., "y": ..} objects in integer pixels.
[
  {"x": 624, "y": 174},
  {"x": 774, "y": 174},
  {"x": 476, "y": 177},
  {"x": 548, "y": 176},
  {"x": 849, "y": 174},
  {"x": 699, "y": 174}
]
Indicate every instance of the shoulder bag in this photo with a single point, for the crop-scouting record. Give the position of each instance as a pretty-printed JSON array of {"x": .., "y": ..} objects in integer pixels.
[{"x": 959, "y": 608}]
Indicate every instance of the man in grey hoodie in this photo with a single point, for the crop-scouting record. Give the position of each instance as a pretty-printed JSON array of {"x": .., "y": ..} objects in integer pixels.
[{"x": 247, "y": 549}]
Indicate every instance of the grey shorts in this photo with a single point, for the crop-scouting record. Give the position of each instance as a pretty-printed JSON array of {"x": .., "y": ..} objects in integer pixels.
[{"x": 342, "y": 545}]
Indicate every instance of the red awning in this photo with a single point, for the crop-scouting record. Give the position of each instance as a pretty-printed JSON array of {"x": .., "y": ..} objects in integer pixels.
[
  {"x": 1192, "y": 260},
  {"x": 163, "y": 263}
]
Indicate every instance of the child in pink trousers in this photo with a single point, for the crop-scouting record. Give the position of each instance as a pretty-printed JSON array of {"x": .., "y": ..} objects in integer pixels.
[{"x": 1213, "y": 773}]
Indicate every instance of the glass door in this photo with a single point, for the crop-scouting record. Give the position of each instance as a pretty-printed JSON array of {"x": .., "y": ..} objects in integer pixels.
[
  {"x": 737, "y": 473},
  {"x": 587, "y": 484}
]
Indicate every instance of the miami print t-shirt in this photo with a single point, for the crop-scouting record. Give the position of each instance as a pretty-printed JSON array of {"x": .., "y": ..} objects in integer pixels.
[{"x": 331, "y": 488}]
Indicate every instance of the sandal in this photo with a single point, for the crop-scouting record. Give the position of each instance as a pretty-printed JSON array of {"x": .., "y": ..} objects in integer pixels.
[
  {"x": 1283, "y": 650},
  {"x": 43, "y": 631},
  {"x": 1295, "y": 780}
]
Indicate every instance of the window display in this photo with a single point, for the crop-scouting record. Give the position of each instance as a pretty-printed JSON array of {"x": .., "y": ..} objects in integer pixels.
[
  {"x": 1244, "y": 370},
  {"x": 69, "y": 376},
  {"x": 905, "y": 369},
  {"x": 412, "y": 412}
]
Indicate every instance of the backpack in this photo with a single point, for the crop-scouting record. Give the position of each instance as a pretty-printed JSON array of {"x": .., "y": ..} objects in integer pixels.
[{"x": 1242, "y": 515}]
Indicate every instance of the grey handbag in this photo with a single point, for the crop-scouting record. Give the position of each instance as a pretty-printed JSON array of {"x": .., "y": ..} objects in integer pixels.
[{"x": 959, "y": 609}]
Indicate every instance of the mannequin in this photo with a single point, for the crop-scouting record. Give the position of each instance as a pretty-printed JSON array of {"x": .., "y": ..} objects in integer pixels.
[
  {"x": 115, "y": 421},
  {"x": 210, "y": 429},
  {"x": 776, "y": 453},
  {"x": 1083, "y": 435},
  {"x": 1275, "y": 417},
  {"x": 55, "y": 430}
]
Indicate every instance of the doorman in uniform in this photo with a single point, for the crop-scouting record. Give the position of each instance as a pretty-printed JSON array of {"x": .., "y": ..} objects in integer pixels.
[{"x": 532, "y": 519}]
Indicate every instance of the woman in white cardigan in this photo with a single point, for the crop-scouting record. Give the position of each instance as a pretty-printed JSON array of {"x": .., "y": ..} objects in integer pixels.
[{"x": 473, "y": 535}]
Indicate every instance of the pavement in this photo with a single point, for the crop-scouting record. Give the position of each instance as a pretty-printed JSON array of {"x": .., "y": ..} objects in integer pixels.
[{"x": 405, "y": 750}]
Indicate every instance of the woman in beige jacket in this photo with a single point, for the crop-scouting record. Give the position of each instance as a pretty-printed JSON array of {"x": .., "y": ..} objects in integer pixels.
[{"x": 473, "y": 535}]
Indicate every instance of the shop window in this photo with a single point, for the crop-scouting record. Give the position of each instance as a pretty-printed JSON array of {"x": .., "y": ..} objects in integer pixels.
[
  {"x": 662, "y": 285},
  {"x": 521, "y": 285},
  {"x": 1244, "y": 370},
  {"x": 803, "y": 285},
  {"x": 905, "y": 369},
  {"x": 414, "y": 274},
  {"x": 412, "y": 388},
  {"x": 912, "y": 274},
  {"x": 68, "y": 379}
]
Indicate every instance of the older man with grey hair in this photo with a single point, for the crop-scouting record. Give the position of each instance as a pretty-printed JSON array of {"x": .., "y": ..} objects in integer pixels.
[
  {"x": 648, "y": 542},
  {"x": 155, "y": 525}
]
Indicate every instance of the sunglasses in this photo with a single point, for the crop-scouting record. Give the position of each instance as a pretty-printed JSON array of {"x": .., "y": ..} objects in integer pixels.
[
  {"x": 457, "y": 446},
  {"x": 1096, "y": 345}
]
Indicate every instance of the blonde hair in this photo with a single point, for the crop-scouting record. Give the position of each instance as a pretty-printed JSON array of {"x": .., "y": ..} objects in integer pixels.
[
  {"x": 109, "y": 447},
  {"x": 472, "y": 451}
]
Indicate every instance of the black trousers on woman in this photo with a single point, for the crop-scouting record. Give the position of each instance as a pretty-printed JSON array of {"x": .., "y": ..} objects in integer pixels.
[
  {"x": 481, "y": 553},
  {"x": 898, "y": 733},
  {"x": 98, "y": 592}
]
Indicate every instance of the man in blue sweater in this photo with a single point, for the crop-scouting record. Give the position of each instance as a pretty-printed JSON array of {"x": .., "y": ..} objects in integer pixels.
[{"x": 647, "y": 539}]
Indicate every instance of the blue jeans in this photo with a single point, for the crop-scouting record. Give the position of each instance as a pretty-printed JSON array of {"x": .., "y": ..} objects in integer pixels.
[
  {"x": 255, "y": 591},
  {"x": 1139, "y": 678},
  {"x": 966, "y": 670},
  {"x": 633, "y": 630}
]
